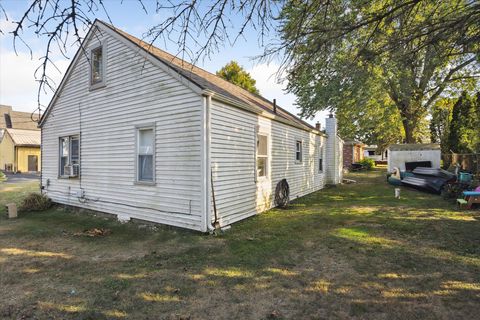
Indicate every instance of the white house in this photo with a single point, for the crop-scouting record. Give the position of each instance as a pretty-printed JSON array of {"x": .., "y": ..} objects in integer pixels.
[{"x": 136, "y": 132}]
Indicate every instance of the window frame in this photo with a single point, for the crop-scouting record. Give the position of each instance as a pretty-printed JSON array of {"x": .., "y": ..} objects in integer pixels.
[
  {"x": 320, "y": 159},
  {"x": 297, "y": 141},
  {"x": 102, "y": 83},
  {"x": 138, "y": 128},
  {"x": 69, "y": 139},
  {"x": 267, "y": 157}
]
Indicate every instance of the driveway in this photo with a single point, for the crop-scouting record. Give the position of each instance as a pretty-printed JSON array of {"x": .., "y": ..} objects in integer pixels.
[{"x": 21, "y": 177}]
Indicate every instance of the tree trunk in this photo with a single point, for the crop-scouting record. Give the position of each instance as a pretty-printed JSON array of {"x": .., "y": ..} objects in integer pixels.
[{"x": 409, "y": 128}]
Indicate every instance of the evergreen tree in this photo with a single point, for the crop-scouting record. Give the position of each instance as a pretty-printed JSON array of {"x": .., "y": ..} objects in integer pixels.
[
  {"x": 464, "y": 130},
  {"x": 440, "y": 122}
]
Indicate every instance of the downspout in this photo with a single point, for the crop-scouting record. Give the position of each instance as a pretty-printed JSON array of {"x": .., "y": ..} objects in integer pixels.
[{"x": 207, "y": 170}]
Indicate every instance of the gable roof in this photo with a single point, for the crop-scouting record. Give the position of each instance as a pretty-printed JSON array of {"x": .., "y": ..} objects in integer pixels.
[
  {"x": 23, "y": 137},
  {"x": 209, "y": 81},
  {"x": 201, "y": 78},
  {"x": 17, "y": 119}
]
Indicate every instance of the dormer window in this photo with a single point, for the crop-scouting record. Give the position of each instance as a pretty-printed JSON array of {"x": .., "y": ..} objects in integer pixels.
[{"x": 97, "y": 67}]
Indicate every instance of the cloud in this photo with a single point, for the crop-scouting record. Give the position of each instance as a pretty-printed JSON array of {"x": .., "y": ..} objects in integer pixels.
[
  {"x": 270, "y": 88},
  {"x": 18, "y": 86}
]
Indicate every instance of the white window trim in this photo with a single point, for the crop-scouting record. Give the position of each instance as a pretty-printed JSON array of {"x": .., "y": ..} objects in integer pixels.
[
  {"x": 69, "y": 161},
  {"x": 137, "y": 129},
  {"x": 301, "y": 151},
  {"x": 267, "y": 165},
  {"x": 103, "y": 83}
]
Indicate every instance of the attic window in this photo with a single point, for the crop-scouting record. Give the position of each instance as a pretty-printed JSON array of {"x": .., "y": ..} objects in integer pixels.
[{"x": 97, "y": 74}]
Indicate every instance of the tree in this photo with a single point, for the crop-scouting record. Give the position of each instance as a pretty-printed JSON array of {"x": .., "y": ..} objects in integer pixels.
[
  {"x": 376, "y": 122},
  {"x": 464, "y": 129},
  {"x": 440, "y": 122},
  {"x": 196, "y": 28},
  {"x": 415, "y": 49},
  {"x": 235, "y": 74}
]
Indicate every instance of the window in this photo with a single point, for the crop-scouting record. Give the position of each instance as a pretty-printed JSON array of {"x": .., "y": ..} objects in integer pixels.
[
  {"x": 320, "y": 160},
  {"x": 262, "y": 155},
  {"x": 69, "y": 156},
  {"x": 298, "y": 151},
  {"x": 145, "y": 154},
  {"x": 97, "y": 67}
]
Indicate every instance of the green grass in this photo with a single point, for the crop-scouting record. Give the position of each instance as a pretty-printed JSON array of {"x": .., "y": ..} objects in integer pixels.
[
  {"x": 353, "y": 251},
  {"x": 15, "y": 192}
]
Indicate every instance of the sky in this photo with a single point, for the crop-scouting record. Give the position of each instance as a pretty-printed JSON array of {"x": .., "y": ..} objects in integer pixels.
[{"x": 18, "y": 86}]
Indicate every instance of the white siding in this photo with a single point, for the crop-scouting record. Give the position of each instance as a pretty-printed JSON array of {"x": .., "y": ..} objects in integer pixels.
[
  {"x": 233, "y": 136},
  {"x": 137, "y": 92}
]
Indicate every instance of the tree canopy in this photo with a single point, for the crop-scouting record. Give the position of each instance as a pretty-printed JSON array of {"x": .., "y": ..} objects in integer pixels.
[
  {"x": 413, "y": 51},
  {"x": 235, "y": 74},
  {"x": 394, "y": 57},
  {"x": 463, "y": 134}
]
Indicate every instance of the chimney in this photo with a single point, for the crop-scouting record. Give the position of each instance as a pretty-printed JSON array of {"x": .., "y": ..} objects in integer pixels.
[
  {"x": 8, "y": 120},
  {"x": 317, "y": 125},
  {"x": 334, "y": 152},
  {"x": 274, "y": 105}
]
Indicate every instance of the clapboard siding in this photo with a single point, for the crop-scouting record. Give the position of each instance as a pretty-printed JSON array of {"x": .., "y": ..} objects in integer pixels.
[
  {"x": 233, "y": 138},
  {"x": 137, "y": 92}
]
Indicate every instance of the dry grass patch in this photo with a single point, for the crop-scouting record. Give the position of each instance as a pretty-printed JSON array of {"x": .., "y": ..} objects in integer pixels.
[{"x": 347, "y": 252}]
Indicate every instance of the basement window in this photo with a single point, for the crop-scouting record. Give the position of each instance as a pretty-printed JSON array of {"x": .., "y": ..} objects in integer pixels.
[
  {"x": 146, "y": 155},
  {"x": 298, "y": 151},
  {"x": 262, "y": 155},
  {"x": 97, "y": 67},
  {"x": 69, "y": 164}
]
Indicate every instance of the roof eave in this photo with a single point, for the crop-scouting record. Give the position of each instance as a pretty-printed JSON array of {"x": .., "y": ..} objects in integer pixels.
[{"x": 259, "y": 111}]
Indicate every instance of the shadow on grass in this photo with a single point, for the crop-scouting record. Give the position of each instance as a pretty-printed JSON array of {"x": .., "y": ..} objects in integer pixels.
[{"x": 351, "y": 251}]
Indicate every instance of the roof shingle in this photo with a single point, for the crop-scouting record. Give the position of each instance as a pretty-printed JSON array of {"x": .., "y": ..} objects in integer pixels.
[{"x": 210, "y": 81}]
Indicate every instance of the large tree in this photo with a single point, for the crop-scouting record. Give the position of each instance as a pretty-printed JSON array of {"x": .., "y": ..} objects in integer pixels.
[
  {"x": 236, "y": 74},
  {"x": 416, "y": 50}
]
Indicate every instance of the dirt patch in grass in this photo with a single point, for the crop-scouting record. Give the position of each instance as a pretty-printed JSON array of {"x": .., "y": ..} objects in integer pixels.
[{"x": 347, "y": 252}]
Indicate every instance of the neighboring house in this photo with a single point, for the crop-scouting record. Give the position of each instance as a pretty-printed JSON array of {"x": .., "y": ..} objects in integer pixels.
[
  {"x": 409, "y": 156},
  {"x": 16, "y": 120},
  {"x": 20, "y": 150},
  {"x": 138, "y": 133},
  {"x": 352, "y": 152},
  {"x": 371, "y": 151}
]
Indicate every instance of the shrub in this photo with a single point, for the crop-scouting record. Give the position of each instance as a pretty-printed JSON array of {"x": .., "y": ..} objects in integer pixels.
[
  {"x": 367, "y": 163},
  {"x": 36, "y": 202},
  {"x": 2, "y": 176}
]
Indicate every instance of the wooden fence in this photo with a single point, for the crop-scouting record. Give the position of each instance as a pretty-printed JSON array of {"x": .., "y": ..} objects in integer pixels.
[{"x": 468, "y": 161}]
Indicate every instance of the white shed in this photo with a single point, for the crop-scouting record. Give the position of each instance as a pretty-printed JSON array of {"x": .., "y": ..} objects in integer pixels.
[
  {"x": 402, "y": 155},
  {"x": 136, "y": 132}
]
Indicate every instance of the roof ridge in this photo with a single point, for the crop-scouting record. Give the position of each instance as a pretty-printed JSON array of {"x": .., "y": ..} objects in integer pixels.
[{"x": 193, "y": 70}]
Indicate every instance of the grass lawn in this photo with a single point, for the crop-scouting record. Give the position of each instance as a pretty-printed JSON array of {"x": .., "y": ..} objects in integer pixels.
[{"x": 347, "y": 252}]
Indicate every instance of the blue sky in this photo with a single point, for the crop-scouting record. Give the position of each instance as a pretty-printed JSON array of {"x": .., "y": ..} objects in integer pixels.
[{"x": 19, "y": 89}]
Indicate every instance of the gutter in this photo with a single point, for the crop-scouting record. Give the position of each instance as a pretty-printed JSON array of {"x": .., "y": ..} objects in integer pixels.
[{"x": 259, "y": 111}]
